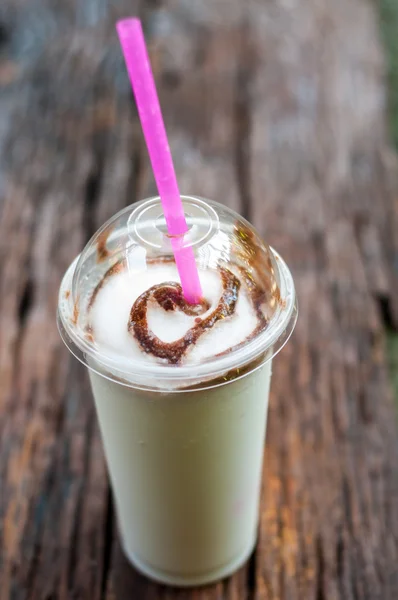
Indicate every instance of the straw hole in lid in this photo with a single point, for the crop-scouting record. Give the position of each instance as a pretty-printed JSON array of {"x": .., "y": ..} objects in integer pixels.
[{"x": 160, "y": 224}]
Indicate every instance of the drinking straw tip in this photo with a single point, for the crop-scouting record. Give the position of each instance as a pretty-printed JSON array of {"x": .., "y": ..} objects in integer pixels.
[
  {"x": 143, "y": 84},
  {"x": 124, "y": 26}
]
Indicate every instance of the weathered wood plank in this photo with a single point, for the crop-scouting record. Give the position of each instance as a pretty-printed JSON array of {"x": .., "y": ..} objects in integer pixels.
[
  {"x": 278, "y": 112},
  {"x": 317, "y": 149},
  {"x": 65, "y": 160}
]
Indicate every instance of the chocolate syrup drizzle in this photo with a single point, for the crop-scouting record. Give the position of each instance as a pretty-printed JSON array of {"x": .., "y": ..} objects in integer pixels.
[{"x": 170, "y": 296}]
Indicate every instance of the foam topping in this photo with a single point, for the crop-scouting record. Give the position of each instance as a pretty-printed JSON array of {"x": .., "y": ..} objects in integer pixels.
[{"x": 144, "y": 316}]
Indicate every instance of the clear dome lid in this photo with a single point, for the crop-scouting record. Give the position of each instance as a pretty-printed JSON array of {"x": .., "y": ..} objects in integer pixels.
[{"x": 149, "y": 337}]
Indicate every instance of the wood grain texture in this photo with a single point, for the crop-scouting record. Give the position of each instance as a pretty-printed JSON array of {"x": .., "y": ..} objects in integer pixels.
[{"x": 276, "y": 109}]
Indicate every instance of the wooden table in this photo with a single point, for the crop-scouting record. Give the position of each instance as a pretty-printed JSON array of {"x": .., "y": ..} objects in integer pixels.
[{"x": 277, "y": 109}]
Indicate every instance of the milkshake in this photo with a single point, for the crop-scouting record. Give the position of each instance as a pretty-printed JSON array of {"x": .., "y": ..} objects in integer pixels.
[{"x": 181, "y": 390}]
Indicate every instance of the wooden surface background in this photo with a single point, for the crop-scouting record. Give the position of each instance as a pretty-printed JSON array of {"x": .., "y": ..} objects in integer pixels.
[{"x": 276, "y": 108}]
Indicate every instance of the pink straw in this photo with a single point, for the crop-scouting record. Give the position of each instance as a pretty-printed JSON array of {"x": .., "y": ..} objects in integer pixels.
[{"x": 141, "y": 77}]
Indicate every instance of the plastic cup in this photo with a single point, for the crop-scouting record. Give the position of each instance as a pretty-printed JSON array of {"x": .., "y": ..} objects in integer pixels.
[{"x": 183, "y": 443}]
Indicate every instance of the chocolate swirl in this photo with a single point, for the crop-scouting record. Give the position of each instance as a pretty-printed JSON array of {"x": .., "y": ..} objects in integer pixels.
[{"x": 169, "y": 296}]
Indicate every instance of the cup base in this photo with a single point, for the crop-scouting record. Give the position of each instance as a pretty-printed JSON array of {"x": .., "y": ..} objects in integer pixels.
[{"x": 190, "y": 581}]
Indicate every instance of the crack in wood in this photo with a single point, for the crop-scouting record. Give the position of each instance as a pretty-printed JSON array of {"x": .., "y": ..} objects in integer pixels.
[
  {"x": 340, "y": 560},
  {"x": 385, "y": 309},
  {"x": 4, "y": 35},
  {"x": 138, "y": 170},
  {"x": 251, "y": 576},
  {"x": 202, "y": 46},
  {"x": 320, "y": 571},
  {"x": 35, "y": 523},
  {"x": 280, "y": 526},
  {"x": 109, "y": 527},
  {"x": 38, "y": 519},
  {"x": 74, "y": 547},
  {"x": 27, "y": 301},
  {"x": 347, "y": 504},
  {"x": 243, "y": 124},
  {"x": 92, "y": 193}
]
